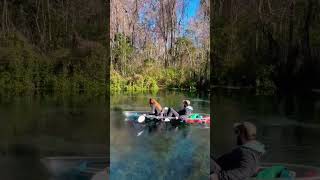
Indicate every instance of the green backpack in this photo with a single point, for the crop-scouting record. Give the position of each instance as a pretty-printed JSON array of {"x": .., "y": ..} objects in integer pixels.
[{"x": 195, "y": 116}]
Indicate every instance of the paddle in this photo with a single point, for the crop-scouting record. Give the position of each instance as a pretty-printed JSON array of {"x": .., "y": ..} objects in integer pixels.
[
  {"x": 139, "y": 133},
  {"x": 143, "y": 117}
]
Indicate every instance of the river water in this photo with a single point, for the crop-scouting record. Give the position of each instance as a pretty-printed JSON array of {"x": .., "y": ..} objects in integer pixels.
[
  {"x": 39, "y": 126},
  {"x": 289, "y": 125},
  {"x": 182, "y": 154},
  {"x": 34, "y": 127}
]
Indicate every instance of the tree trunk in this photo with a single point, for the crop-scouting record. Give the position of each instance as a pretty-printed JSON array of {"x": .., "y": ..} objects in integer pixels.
[
  {"x": 37, "y": 17},
  {"x": 49, "y": 20},
  {"x": 306, "y": 38},
  {"x": 306, "y": 46},
  {"x": 5, "y": 23},
  {"x": 44, "y": 29}
]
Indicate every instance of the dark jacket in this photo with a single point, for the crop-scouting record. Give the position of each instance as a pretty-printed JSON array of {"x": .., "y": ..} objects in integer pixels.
[
  {"x": 182, "y": 112},
  {"x": 241, "y": 163}
]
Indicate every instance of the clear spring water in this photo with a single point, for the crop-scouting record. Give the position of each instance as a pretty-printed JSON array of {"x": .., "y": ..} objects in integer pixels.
[{"x": 181, "y": 154}]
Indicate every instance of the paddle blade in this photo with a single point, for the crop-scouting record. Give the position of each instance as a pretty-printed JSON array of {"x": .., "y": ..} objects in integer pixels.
[
  {"x": 141, "y": 119},
  {"x": 139, "y": 133}
]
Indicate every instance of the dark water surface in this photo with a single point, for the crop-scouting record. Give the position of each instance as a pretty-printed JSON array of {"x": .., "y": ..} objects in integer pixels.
[
  {"x": 38, "y": 126},
  {"x": 182, "y": 154},
  {"x": 289, "y": 125}
]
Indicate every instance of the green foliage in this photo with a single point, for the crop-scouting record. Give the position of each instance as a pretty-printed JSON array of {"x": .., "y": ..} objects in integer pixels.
[
  {"x": 136, "y": 70},
  {"x": 25, "y": 70},
  {"x": 60, "y": 50},
  {"x": 121, "y": 53},
  {"x": 261, "y": 49},
  {"x": 117, "y": 82},
  {"x": 152, "y": 79},
  {"x": 264, "y": 82},
  {"x": 134, "y": 83}
]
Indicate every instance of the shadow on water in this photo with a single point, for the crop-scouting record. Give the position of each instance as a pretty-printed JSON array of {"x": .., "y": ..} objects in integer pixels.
[
  {"x": 21, "y": 161},
  {"x": 288, "y": 125}
]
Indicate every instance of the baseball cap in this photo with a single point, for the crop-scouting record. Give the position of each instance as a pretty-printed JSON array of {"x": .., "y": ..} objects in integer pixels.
[{"x": 246, "y": 126}]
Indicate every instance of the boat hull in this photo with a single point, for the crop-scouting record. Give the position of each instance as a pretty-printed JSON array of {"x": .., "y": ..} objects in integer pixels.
[{"x": 201, "y": 119}]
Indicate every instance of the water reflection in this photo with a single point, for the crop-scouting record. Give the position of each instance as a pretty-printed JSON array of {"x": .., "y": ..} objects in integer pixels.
[{"x": 34, "y": 127}]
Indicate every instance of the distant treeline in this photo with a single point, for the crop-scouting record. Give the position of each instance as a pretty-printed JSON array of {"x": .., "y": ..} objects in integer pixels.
[
  {"x": 151, "y": 47},
  {"x": 53, "y": 45},
  {"x": 267, "y": 44},
  {"x": 63, "y": 46}
]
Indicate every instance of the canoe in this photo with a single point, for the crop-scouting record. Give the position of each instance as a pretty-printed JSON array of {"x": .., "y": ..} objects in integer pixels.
[
  {"x": 79, "y": 166},
  {"x": 195, "y": 118},
  {"x": 198, "y": 118},
  {"x": 299, "y": 172}
]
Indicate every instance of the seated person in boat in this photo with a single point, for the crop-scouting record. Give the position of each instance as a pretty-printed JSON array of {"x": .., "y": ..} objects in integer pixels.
[
  {"x": 156, "y": 108},
  {"x": 186, "y": 110},
  {"x": 243, "y": 161}
]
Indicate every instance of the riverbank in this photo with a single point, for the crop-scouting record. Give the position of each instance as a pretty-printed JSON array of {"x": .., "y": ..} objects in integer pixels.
[{"x": 259, "y": 91}]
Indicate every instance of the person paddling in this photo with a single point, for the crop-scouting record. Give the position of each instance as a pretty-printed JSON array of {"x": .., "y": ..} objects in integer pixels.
[
  {"x": 186, "y": 110},
  {"x": 243, "y": 162}
]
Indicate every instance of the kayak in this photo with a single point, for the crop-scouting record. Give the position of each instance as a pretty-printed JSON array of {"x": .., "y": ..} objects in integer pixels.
[
  {"x": 79, "y": 167},
  {"x": 198, "y": 119},
  {"x": 294, "y": 171},
  {"x": 195, "y": 118}
]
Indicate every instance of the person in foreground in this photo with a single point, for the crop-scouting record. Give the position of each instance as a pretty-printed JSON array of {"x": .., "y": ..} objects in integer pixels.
[{"x": 243, "y": 162}]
